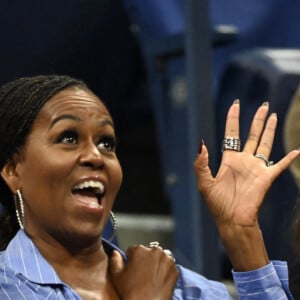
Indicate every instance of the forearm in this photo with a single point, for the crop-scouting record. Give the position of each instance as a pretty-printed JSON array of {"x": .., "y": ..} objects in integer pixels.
[{"x": 245, "y": 246}]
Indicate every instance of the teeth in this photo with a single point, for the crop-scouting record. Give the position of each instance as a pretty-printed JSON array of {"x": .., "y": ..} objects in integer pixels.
[{"x": 91, "y": 184}]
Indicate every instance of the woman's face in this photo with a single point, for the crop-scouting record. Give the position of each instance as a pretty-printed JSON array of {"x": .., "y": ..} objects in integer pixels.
[{"x": 69, "y": 173}]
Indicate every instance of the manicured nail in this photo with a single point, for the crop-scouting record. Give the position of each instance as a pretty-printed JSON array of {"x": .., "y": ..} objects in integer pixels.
[
  {"x": 273, "y": 115},
  {"x": 266, "y": 103},
  {"x": 236, "y": 101},
  {"x": 200, "y": 146}
]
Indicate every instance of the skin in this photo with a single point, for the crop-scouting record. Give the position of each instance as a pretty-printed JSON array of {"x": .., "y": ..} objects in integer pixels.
[
  {"x": 73, "y": 139},
  {"x": 235, "y": 195}
]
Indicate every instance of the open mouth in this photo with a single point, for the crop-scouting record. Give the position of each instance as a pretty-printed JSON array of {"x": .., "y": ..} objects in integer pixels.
[{"x": 90, "y": 193}]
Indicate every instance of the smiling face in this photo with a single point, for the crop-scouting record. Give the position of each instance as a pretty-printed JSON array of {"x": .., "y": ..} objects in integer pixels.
[{"x": 68, "y": 171}]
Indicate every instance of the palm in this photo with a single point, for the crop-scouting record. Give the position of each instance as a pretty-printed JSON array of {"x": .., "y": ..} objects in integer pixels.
[{"x": 238, "y": 189}]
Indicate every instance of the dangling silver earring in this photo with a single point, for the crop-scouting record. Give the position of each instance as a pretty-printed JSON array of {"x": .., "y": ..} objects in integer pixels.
[
  {"x": 114, "y": 226},
  {"x": 19, "y": 206}
]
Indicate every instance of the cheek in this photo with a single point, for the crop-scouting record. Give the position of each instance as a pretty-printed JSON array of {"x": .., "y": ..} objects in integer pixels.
[
  {"x": 118, "y": 176},
  {"x": 40, "y": 173}
]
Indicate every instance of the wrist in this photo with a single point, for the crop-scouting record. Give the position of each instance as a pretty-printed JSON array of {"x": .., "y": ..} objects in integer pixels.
[{"x": 245, "y": 246}]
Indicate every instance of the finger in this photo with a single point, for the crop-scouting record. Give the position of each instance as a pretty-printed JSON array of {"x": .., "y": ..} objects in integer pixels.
[
  {"x": 138, "y": 248},
  {"x": 116, "y": 264},
  {"x": 267, "y": 139},
  {"x": 256, "y": 128},
  {"x": 284, "y": 163},
  {"x": 232, "y": 128},
  {"x": 169, "y": 254},
  {"x": 202, "y": 171}
]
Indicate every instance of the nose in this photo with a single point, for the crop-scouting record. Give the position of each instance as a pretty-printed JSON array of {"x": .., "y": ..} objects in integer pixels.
[{"x": 91, "y": 156}]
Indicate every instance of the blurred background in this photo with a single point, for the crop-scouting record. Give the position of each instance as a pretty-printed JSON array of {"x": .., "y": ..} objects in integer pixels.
[{"x": 168, "y": 70}]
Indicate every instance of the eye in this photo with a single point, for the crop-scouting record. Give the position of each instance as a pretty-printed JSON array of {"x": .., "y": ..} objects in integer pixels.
[
  {"x": 107, "y": 143},
  {"x": 68, "y": 137}
]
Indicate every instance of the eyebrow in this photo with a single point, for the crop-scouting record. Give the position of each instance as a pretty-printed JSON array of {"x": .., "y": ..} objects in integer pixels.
[
  {"x": 62, "y": 117},
  {"x": 74, "y": 118},
  {"x": 106, "y": 122}
]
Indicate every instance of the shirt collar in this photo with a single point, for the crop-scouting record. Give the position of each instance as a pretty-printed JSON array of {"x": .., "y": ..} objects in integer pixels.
[{"x": 24, "y": 258}]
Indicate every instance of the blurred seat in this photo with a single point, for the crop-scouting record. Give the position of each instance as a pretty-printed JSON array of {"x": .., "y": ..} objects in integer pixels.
[{"x": 168, "y": 33}]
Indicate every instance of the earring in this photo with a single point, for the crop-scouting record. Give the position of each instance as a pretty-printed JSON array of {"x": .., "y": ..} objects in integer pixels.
[
  {"x": 114, "y": 226},
  {"x": 19, "y": 206}
]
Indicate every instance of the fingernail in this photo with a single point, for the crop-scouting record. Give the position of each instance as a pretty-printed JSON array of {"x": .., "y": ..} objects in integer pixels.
[
  {"x": 266, "y": 103},
  {"x": 236, "y": 101},
  {"x": 200, "y": 146},
  {"x": 273, "y": 115}
]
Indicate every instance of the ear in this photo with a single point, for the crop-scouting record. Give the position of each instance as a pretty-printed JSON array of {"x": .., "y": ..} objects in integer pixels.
[{"x": 10, "y": 174}]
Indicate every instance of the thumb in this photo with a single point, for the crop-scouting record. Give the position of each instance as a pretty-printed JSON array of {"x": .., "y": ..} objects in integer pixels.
[
  {"x": 116, "y": 264},
  {"x": 202, "y": 170}
]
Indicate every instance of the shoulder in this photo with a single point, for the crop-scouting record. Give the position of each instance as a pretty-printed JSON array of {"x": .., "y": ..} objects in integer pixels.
[
  {"x": 6, "y": 274},
  {"x": 14, "y": 286},
  {"x": 11, "y": 287}
]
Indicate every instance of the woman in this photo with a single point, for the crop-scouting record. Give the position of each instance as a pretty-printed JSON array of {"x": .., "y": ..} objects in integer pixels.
[{"x": 60, "y": 176}]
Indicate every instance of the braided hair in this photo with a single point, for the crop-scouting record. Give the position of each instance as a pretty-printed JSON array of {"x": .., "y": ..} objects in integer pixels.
[{"x": 20, "y": 102}]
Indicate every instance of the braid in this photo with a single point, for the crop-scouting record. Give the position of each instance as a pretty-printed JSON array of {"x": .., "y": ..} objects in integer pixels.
[{"x": 20, "y": 102}]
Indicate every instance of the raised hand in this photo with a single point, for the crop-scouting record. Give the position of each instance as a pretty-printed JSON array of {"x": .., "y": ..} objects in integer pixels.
[{"x": 236, "y": 193}]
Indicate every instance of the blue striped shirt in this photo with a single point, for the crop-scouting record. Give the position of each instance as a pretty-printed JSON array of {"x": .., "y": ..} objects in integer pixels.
[{"x": 25, "y": 274}]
